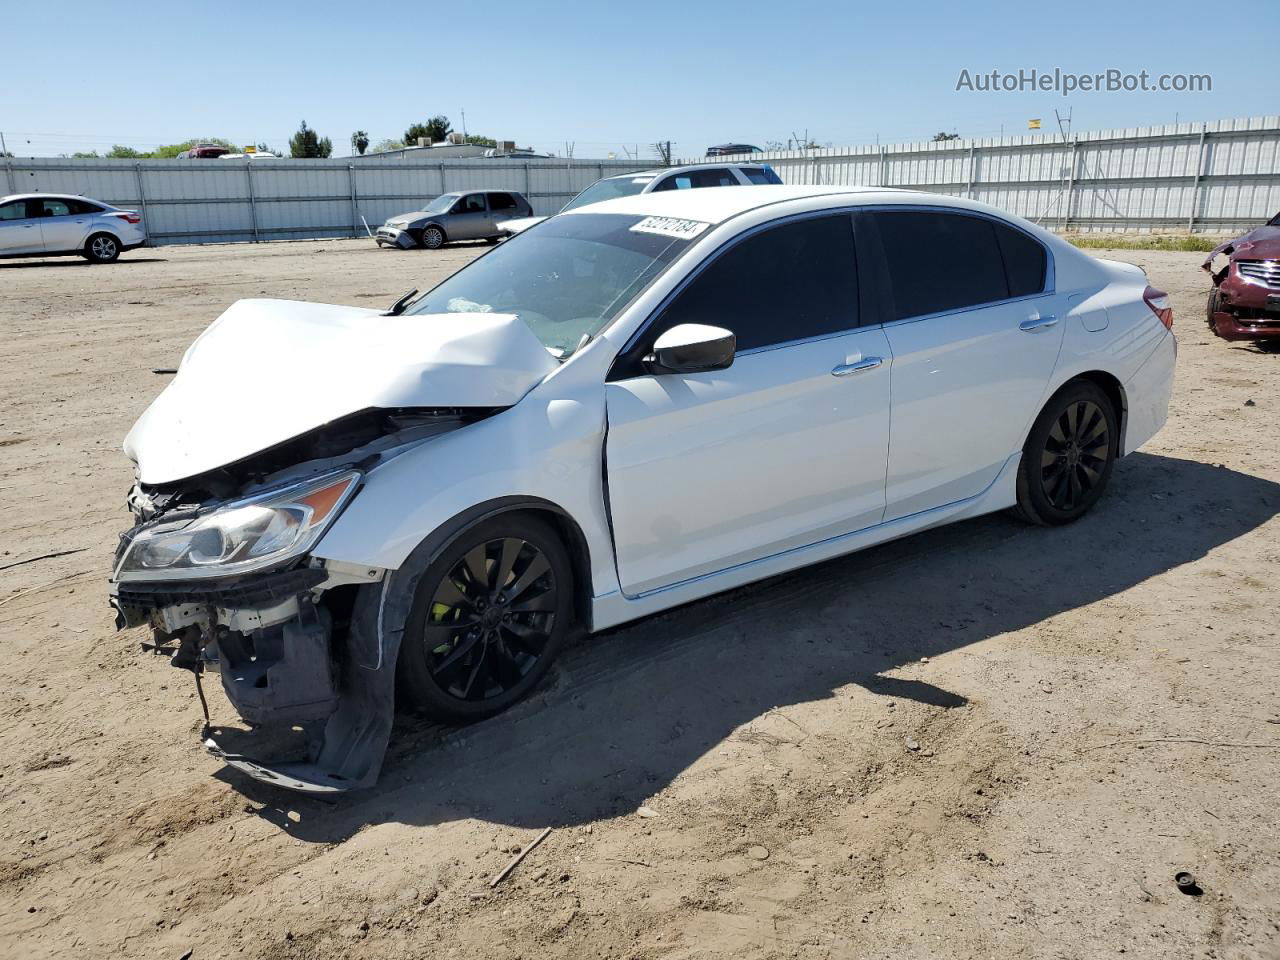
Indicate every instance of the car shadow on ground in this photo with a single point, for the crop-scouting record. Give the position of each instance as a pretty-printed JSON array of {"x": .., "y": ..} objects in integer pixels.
[
  {"x": 76, "y": 262},
  {"x": 631, "y": 709}
]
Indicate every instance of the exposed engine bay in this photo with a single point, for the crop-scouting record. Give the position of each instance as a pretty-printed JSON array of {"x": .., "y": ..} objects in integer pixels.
[{"x": 297, "y": 643}]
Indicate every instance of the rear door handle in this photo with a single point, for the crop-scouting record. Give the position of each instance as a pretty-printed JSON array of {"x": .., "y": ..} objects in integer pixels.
[
  {"x": 1036, "y": 322},
  {"x": 866, "y": 363}
]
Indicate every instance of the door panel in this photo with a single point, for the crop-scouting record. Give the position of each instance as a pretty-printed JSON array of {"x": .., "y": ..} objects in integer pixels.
[
  {"x": 62, "y": 230},
  {"x": 714, "y": 469},
  {"x": 469, "y": 219},
  {"x": 966, "y": 387},
  {"x": 19, "y": 233}
]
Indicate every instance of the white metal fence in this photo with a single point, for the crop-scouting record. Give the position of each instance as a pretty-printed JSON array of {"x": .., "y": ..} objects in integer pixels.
[
  {"x": 209, "y": 201},
  {"x": 1220, "y": 177}
]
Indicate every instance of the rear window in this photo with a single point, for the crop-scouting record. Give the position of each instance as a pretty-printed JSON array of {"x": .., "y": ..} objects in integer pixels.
[
  {"x": 501, "y": 201},
  {"x": 693, "y": 179},
  {"x": 761, "y": 175},
  {"x": 940, "y": 261}
]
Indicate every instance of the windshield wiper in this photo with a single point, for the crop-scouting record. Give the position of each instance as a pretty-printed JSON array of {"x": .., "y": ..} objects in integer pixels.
[{"x": 397, "y": 308}]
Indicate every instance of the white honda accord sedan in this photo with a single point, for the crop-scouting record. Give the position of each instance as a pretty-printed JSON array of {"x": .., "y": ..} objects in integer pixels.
[{"x": 627, "y": 407}]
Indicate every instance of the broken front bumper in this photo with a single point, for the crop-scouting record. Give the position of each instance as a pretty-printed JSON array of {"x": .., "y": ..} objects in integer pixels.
[
  {"x": 318, "y": 698},
  {"x": 395, "y": 237}
]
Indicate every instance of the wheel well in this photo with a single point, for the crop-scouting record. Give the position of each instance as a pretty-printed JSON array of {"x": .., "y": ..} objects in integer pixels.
[
  {"x": 100, "y": 233},
  {"x": 1115, "y": 393}
]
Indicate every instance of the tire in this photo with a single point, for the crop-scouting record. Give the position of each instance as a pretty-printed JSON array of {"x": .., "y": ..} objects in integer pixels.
[
  {"x": 1069, "y": 455},
  {"x": 1211, "y": 307},
  {"x": 102, "y": 248},
  {"x": 433, "y": 238},
  {"x": 471, "y": 648},
  {"x": 491, "y": 240}
]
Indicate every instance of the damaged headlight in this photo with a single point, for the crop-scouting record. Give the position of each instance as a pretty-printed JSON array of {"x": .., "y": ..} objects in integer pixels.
[{"x": 241, "y": 536}]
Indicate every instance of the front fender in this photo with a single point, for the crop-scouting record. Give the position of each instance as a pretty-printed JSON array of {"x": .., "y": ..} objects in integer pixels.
[{"x": 546, "y": 449}]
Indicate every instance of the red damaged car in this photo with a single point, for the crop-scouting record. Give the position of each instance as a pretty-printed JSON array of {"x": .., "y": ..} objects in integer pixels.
[{"x": 1244, "y": 303}]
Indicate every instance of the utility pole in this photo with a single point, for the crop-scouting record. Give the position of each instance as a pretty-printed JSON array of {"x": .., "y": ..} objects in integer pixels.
[
  {"x": 4, "y": 151},
  {"x": 464, "y": 125}
]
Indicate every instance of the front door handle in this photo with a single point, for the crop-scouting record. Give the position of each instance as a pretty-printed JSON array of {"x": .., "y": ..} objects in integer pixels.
[
  {"x": 866, "y": 363},
  {"x": 1036, "y": 322}
]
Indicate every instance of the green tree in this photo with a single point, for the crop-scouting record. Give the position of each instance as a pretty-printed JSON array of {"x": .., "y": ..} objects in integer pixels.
[
  {"x": 435, "y": 130},
  {"x": 121, "y": 152},
  {"x": 386, "y": 146},
  {"x": 307, "y": 143},
  {"x": 475, "y": 138},
  {"x": 360, "y": 142},
  {"x": 82, "y": 155},
  {"x": 942, "y": 135}
]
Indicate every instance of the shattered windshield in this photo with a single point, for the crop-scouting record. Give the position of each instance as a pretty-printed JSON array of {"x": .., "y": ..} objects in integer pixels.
[{"x": 568, "y": 277}]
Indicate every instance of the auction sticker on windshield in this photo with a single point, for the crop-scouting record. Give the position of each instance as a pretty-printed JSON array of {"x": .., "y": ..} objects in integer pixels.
[{"x": 670, "y": 227}]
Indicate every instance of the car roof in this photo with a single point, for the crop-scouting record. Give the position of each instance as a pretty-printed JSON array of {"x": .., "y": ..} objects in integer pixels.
[
  {"x": 717, "y": 204},
  {"x": 52, "y": 196},
  {"x": 657, "y": 171}
]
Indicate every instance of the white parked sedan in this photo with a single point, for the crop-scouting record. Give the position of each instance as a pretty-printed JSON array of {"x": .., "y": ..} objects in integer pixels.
[
  {"x": 639, "y": 404},
  {"x": 52, "y": 225}
]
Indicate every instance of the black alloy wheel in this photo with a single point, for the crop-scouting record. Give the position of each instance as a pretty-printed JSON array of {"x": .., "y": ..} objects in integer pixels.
[
  {"x": 1075, "y": 454},
  {"x": 490, "y": 614},
  {"x": 1069, "y": 455}
]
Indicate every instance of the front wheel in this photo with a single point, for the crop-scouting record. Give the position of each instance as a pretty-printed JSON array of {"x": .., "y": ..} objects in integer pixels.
[
  {"x": 1068, "y": 456},
  {"x": 102, "y": 248},
  {"x": 488, "y": 617},
  {"x": 433, "y": 238}
]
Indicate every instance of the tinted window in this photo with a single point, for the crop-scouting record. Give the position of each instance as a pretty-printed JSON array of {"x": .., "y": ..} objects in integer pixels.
[
  {"x": 472, "y": 203},
  {"x": 761, "y": 175},
  {"x": 83, "y": 206},
  {"x": 501, "y": 201},
  {"x": 791, "y": 282},
  {"x": 940, "y": 261},
  {"x": 54, "y": 208},
  {"x": 698, "y": 178},
  {"x": 14, "y": 210},
  {"x": 1024, "y": 261}
]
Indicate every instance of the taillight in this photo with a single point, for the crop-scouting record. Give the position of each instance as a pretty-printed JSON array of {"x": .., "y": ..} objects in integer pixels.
[
  {"x": 1158, "y": 301},
  {"x": 128, "y": 217}
]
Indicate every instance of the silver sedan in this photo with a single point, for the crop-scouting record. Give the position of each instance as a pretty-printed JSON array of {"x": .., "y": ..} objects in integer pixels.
[{"x": 57, "y": 225}]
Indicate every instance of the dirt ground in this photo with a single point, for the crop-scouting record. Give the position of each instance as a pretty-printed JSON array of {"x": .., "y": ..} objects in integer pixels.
[{"x": 984, "y": 741}]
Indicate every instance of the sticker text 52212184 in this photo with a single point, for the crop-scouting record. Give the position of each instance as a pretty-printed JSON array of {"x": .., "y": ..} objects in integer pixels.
[{"x": 670, "y": 227}]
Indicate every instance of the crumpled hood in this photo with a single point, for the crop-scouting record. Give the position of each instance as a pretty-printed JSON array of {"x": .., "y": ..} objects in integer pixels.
[
  {"x": 411, "y": 218},
  {"x": 267, "y": 371}
]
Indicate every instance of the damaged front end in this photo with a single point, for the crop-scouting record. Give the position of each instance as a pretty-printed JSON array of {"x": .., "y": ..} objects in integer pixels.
[
  {"x": 1244, "y": 303},
  {"x": 220, "y": 567}
]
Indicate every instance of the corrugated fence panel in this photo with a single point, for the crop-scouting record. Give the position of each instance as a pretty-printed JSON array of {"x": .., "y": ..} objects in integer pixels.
[{"x": 1219, "y": 177}]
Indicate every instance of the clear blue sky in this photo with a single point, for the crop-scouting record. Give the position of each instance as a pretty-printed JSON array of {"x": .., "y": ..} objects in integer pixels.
[{"x": 604, "y": 74}]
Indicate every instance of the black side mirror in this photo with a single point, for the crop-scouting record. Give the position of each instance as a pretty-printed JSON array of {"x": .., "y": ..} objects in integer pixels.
[{"x": 692, "y": 348}]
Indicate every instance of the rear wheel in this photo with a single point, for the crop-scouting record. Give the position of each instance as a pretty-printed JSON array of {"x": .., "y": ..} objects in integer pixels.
[
  {"x": 488, "y": 618},
  {"x": 102, "y": 248},
  {"x": 433, "y": 238},
  {"x": 1068, "y": 457},
  {"x": 1213, "y": 306}
]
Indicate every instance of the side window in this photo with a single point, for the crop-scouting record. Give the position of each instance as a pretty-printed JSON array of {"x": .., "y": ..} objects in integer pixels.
[
  {"x": 54, "y": 208},
  {"x": 474, "y": 203},
  {"x": 1024, "y": 261},
  {"x": 940, "y": 261},
  {"x": 698, "y": 178},
  {"x": 14, "y": 210},
  {"x": 83, "y": 206},
  {"x": 501, "y": 201},
  {"x": 791, "y": 282}
]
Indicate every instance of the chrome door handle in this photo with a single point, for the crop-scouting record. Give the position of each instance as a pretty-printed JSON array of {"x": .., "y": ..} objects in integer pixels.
[
  {"x": 1037, "y": 322},
  {"x": 866, "y": 363}
]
